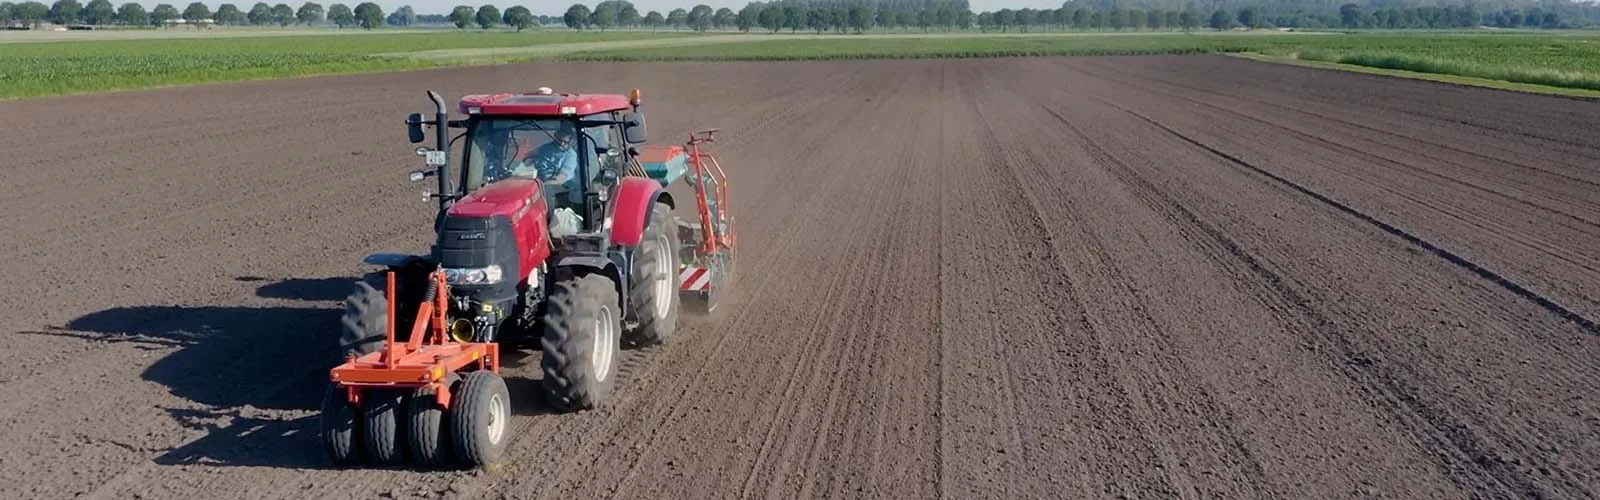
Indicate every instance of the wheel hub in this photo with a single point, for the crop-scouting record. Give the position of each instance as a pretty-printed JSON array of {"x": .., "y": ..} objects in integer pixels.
[
  {"x": 497, "y": 418},
  {"x": 605, "y": 342},
  {"x": 664, "y": 274}
]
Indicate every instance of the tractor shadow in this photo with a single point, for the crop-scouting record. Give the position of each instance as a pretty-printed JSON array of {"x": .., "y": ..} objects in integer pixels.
[
  {"x": 253, "y": 373},
  {"x": 311, "y": 289},
  {"x": 256, "y": 375}
]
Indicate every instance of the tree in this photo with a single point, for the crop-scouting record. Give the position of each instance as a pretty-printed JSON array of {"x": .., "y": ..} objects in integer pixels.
[
  {"x": 283, "y": 14},
  {"x": 677, "y": 18},
  {"x": 1189, "y": 20},
  {"x": 309, "y": 14},
  {"x": 628, "y": 16},
  {"x": 133, "y": 13},
  {"x": 403, "y": 16},
  {"x": 462, "y": 16},
  {"x": 1247, "y": 17},
  {"x": 699, "y": 17},
  {"x": 488, "y": 16},
  {"x": 577, "y": 16},
  {"x": 65, "y": 11},
  {"x": 341, "y": 15},
  {"x": 604, "y": 15},
  {"x": 1220, "y": 20},
  {"x": 368, "y": 15},
  {"x": 860, "y": 18},
  {"x": 518, "y": 17},
  {"x": 163, "y": 14},
  {"x": 196, "y": 12},
  {"x": 770, "y": 18},
  {"x": 654, "y": 20},
  {"x": 723, "y": 18},
  {"x": 97, "y": 12},
  {"x": 260, "y": 14},
  {"x": 749, "y": 17},
  {"x": 31, "y": 13},
  {"x": 1350, "y": 15},
  {"x": 229, "y": 14}
]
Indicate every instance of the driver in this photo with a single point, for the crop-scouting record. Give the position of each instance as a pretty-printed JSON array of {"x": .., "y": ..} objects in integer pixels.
[{"x": 557, "y": 162}]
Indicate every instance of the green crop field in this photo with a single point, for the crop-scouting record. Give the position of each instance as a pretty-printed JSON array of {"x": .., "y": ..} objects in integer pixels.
[
  {"x": 1557, "y": 59},
  {"x": 51, "y": 68},
  {"x": 1554, "y": 59}
]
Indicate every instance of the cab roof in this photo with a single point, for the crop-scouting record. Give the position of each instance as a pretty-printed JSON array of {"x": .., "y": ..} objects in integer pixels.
[{"x": 543, "y": 102}]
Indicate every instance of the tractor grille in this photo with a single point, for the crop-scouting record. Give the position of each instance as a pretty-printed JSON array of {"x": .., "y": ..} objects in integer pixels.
[{"x": 476, "y": 242}]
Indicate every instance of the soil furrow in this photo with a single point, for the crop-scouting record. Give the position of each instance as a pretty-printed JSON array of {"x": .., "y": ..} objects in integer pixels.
[{"x": 1155, "y": 277}]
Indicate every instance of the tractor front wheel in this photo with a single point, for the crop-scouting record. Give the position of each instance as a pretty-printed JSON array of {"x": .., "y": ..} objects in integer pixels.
[
  {"x": 365, "y": 322},
  {"x": 653, "y": 290},
  {"x": 582, "y": 322}
]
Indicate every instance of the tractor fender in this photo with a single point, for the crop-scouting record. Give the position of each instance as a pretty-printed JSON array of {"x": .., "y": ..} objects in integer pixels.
[
  {"x": 635, "y": 197},
  {"x": 596, "y": 264}
]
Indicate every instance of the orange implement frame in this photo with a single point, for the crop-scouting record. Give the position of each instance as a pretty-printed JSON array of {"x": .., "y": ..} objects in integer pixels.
[
  {"x": 425, "y": 360},
  {"x": 706, "y": 167}
]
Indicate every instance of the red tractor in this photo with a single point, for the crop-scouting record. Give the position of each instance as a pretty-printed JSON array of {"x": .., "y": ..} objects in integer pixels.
[{"x": 562, "y": 236}]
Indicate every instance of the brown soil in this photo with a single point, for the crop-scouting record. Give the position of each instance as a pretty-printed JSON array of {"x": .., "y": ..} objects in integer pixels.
[{"x": 1019, "y": 278}]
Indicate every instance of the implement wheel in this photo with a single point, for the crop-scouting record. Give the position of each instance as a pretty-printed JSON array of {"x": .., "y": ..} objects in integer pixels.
[
  {"x": 381, "y": 423},
  {"x": 428, "y": 429},
  {"x": 582, "y": 323},
  {"x": 481, "y": 423},
  {"x": 654, "y": 289},
  {"x": 340, "y": 429}
]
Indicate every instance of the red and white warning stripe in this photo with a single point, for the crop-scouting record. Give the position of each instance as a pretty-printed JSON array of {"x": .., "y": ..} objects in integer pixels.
[{"x": 695, "y": 279}]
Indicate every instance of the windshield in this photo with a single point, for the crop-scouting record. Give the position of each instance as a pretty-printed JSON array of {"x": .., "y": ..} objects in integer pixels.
[{"x": 517, "y": 147}]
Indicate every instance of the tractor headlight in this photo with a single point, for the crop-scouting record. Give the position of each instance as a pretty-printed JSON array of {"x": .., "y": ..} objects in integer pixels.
[{"x": 473, "y": 276}]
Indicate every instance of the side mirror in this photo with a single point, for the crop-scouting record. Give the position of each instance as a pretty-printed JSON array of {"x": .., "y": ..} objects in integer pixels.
[
  {"x": 633, "y": 128},
  {"x": 414, "y": 127}
]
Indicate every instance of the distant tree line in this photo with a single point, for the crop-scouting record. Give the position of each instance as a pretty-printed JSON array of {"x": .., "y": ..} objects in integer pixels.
[
  {"x": 844, "y": 16},
  {"x": 792, "y": 15},
  {"x": 101, "y": 13},
  {"x": 861, "y": 15}
]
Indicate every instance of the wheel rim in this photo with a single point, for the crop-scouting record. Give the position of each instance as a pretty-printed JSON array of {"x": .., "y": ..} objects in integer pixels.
[
  {"x": 497, "y": 417},
  {"x": 664, "y": 274},
  {"x": 605, "y": 340}
]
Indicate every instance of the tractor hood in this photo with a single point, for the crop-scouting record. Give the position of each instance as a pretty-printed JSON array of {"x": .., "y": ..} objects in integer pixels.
[{"x": 509, "y": 197}]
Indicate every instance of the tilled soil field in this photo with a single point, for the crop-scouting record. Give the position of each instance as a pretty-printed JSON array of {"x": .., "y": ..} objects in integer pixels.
[{"x": 1018, "y": 278}]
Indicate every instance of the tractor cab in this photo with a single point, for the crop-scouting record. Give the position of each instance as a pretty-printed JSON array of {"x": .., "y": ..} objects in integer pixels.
[{"x": 575, "y": 146}]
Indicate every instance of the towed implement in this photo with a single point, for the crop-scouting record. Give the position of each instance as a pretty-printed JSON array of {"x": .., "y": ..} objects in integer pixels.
[{"x": 561, "y": 236}]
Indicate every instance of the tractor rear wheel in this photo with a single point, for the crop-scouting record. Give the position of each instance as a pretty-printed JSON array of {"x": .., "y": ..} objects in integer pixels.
[
  {"x": 653, "y": 291},
  {"x": 340, "y": 431},
  {"x": 581, "y": 338},
  {"x": 481, "y": 424}
]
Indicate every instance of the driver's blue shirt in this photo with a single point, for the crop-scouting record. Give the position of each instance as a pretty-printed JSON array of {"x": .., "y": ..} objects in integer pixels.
[{"x": 552, "y": 160}]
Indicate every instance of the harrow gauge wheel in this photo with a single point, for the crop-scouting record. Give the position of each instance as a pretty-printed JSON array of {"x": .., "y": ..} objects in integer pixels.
[
  {"x": 480, "y": 425},
  {"x": 381, "y": 412},
  {"x": 428, "y": 432},
  {"x": 340, "y": 429}
]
